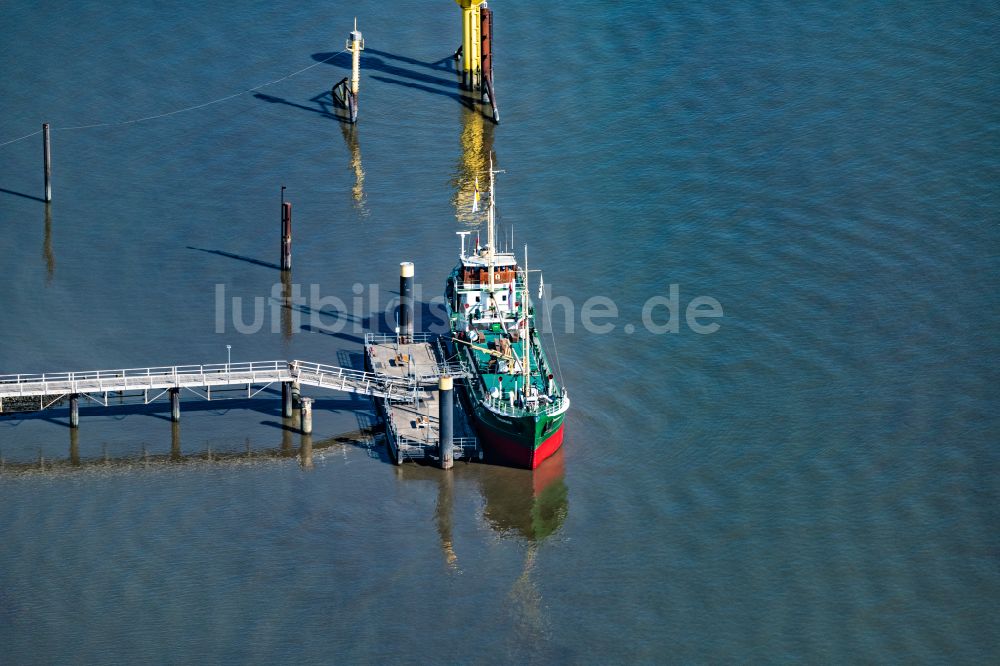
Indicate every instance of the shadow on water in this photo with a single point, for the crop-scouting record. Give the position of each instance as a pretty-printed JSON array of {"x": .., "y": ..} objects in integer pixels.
[
  {"x": 445, "y": 64},
  {"x": 239, "y": 257},
  {"x": 428, "y": 316},
  {"x": 327, "y": 105},
  {"x": 323, "y": 101},
  {"x": 22, "y": 194},
  {"x": 465, "y": 101},
  {"x": 372, "y": 63},
  {"x": 145, "y": 459},
  {"x": 220, "y": 404},
  {"x": 347, "y": 337},
  {"x": 424, "y": 82}
]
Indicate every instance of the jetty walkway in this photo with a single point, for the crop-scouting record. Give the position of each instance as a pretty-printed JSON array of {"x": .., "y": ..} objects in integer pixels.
[
  {"x": 403, "y": 377},
  {"x": 154, "y": 382}
]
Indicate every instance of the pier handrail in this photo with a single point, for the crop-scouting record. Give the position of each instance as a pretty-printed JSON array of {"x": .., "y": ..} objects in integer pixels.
[
  {"x": 388, "y": 338},
  {"x": 201, "y": 375}
]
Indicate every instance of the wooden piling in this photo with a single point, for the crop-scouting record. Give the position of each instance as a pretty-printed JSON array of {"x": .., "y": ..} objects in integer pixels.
[
  {"x": 74, "y": 410},
  {"x": 486, "y": 44},
  {"x": 48, "y": 162},
  {"x": 286, "y": 235},
  {"x": 486, "y": 48},
  {"x": 306, "y": 424},
  {"x": 446, "y": 426}
]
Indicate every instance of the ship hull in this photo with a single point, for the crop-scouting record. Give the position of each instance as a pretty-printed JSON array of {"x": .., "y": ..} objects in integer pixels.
[{"x": 516, "y": 441}]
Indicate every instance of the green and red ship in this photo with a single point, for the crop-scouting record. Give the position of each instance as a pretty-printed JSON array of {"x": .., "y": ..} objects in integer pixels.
[{"x": 511, "y": 391}]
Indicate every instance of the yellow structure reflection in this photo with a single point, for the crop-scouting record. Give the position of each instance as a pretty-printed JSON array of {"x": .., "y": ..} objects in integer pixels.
[{"x": 473, "y": 163}]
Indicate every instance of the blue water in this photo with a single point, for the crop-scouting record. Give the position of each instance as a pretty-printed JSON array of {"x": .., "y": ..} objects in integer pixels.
[{"x": 815, "y": 481}]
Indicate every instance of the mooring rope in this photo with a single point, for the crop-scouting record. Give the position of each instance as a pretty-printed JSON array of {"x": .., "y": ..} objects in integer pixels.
[
  {"x": 176, "y": 111},
  {"x": 22, "y": 138}
]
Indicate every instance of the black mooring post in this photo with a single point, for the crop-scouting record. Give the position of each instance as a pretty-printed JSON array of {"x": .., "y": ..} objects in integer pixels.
[
  {"x": 48, "y": 162},
  {"x": 286, "y": 235}
]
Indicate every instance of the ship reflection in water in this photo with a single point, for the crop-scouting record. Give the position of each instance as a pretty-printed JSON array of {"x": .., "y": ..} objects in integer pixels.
[
  {"x": 519, "y": 504},
  {"x": 532, "y": 504}
]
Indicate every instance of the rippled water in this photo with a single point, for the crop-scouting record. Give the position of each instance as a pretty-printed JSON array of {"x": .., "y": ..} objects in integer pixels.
[{"x": 815, "y": 481}]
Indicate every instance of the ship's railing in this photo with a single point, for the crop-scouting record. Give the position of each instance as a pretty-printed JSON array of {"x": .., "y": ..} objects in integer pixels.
[{"x": 502, "y": 406}]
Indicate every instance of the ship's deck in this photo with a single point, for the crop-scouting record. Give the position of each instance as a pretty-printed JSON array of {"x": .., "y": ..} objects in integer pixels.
[{"x": 489, "y": 366}]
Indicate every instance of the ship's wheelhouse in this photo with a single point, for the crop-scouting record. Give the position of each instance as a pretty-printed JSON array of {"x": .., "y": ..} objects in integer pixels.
[{"x": 470, "y": 296}]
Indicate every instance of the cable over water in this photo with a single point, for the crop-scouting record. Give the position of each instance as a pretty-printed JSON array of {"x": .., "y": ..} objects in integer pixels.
[{"x": 176, "y": 111}]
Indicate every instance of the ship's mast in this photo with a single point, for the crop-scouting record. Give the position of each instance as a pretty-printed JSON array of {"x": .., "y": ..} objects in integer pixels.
[
  {"x": 526, "y": 349},
  {"x": 490, "y": 223}
]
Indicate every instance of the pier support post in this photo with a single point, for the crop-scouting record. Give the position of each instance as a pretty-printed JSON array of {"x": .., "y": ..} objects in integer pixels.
[
  {"x": 74, "y": 410},
  {"x": 287, "y": 428},
  {"x": 175, "y": 441},
  {"x": 286, "y": 399},
  {"x": 406, "y": 301},
  {"x": 286, "y": 235},
  {"x": 306, "y": 452},
  {"x": 307, "y": 416},
  {"x": 446, "y": 426},
  {"x": 74, "y": 447},
  {"x": 175, "y": 405},
  {"x": 48, "y": 162},
  {"x": 296, "y": 395}
]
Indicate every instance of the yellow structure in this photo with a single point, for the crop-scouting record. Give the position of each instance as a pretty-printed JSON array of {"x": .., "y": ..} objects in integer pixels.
[{"x": 472, "y": 55}]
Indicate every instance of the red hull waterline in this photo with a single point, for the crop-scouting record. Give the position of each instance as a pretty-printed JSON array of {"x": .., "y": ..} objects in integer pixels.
[{"x": 512, "y": 453}]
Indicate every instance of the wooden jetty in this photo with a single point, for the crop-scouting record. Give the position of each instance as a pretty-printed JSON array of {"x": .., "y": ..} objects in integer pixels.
[
  {"x": 403, "y": 380},
  {"x": 414, "y": 427},
  {"x": 154, "y": 382},
  {"x": 407, "y": 374}
]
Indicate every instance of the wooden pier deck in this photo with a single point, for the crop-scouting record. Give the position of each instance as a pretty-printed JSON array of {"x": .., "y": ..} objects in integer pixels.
[{"x": 413, "y": 426}]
